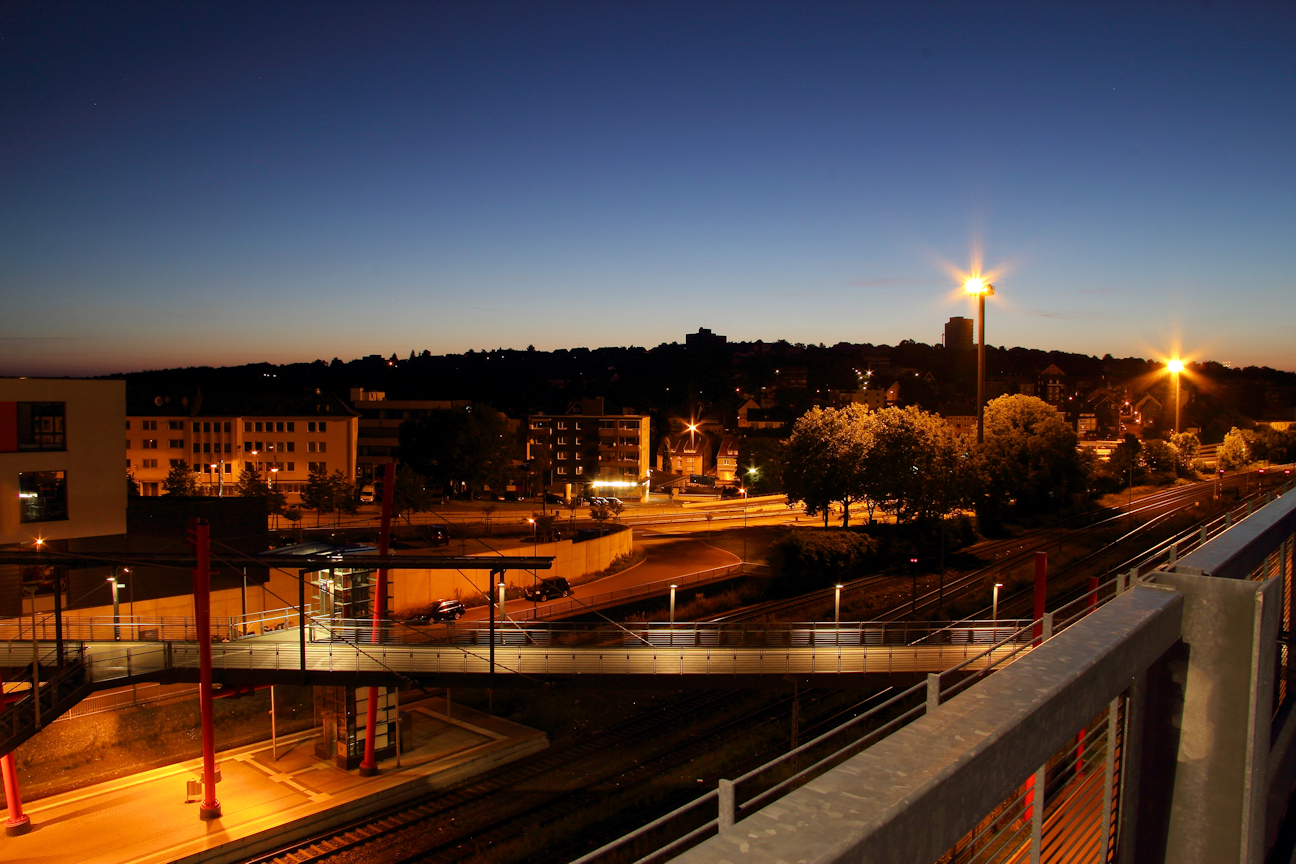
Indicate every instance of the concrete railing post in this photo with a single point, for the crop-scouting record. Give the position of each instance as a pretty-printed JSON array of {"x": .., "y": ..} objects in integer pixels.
[
  {"x": 933, "y": 691},
  {"x": 728, "y": 809},
  {"x": 1037, "y": 815},
  {"x": 1048, "y": 626},
  {"x": 1109, "y": 781},
  {"x": 1218, "y": 772}
]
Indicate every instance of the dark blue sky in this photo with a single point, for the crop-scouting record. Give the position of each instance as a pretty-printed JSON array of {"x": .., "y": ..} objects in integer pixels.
[{"x": 190, "y": 183}]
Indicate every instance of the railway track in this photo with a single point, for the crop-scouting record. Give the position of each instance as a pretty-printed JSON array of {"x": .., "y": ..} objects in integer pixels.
[
  {"x": 501, "y": 807},
  {"x": 1152, "y": 509},
  {"x": 1004, "y": 556},
  {"x": 364, "y": 830}
]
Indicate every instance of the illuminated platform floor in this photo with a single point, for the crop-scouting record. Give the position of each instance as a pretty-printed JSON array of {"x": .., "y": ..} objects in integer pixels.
[{"x": 265, "y": 803}]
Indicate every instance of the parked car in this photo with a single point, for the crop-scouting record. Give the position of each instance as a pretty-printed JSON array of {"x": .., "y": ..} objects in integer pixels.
[
  {"x": 367, "y": 494},
  {"x": 548, "y": 589},
  {"x": 444, "y": 610}
]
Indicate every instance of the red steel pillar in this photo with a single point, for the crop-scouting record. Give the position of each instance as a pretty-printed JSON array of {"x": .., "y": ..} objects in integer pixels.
[
  {"x": 18, "y": 822},
  {"x": 1093, "y": 593},
  {"x": 369, "y": 765},
  {"x": 199, "y": 533},
  {"x": 1041, "y": 583}
]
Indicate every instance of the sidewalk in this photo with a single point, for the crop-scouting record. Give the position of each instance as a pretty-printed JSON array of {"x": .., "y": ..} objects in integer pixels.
[{"x": 265, "y": 803}]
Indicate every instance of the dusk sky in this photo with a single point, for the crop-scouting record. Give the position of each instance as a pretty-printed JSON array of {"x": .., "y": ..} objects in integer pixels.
[{"x": 190, "y": 183}]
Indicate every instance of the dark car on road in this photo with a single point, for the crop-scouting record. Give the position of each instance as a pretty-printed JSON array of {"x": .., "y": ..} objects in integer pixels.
[
  {"x": 548, "y": 589},
  {"x": 444, "y": 610},
  {"x": 436, "y": 535}
]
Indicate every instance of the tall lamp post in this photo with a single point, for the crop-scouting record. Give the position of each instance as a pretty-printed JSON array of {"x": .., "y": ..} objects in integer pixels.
[
  {"x": 752, "y": 473},
  {"x": 1175, "y": 367},
  {"x": 994, "y": 612},
  {"x": 113, "y": 581},
  {"x": 274, "y": 487},
  {"x": 535, "y": 574},
  {"x": 980, "y": 289}
]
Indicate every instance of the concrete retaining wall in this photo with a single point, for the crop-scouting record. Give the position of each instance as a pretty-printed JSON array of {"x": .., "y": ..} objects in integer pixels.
[{"x": 415, "y": 588}]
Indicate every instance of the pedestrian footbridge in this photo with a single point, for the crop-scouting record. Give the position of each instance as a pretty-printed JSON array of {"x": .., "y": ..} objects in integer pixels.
[{"x": 330, "y": 652}]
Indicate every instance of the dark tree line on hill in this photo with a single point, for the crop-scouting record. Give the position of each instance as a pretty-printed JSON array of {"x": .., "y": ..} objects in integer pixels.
[{"x": 690, "y": 380}]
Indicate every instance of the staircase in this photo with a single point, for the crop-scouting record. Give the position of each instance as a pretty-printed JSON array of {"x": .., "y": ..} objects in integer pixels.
[{"x": 60, "y": 688}]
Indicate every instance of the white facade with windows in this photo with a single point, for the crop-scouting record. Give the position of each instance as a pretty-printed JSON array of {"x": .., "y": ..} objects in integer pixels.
[{"x": 60, "y": 476}]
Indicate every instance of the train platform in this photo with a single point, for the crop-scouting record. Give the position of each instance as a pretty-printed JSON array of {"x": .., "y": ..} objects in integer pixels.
[{"x": 266, "y": 802}]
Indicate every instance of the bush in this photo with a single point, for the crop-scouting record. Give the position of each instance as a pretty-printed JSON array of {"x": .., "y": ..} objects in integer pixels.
[{"x": 805, "y": 560}]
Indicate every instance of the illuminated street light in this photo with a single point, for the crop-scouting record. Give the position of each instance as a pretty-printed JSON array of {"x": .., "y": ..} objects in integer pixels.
[
  {"x": 994, "y": 611},
  {"x": 672, "y": 611},
  {"x": 837, "y": 603},
  {"x": 1175, "y": 367},
  {"x": 980, "y": 288}
]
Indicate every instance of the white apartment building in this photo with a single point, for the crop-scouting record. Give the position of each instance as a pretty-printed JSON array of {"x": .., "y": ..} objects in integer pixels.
[{"x": 284, "y": 438}]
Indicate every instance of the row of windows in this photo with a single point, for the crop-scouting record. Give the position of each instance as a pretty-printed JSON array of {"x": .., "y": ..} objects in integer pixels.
[
  {"x": 228, "y": 467},
  {"x": 281, "y": 426},
  {"x": 173, "y": 425},
  {"x": 283, "y": 447},
  {"x": 629, "y": 425},
  {"x": 216, "y": 426}
]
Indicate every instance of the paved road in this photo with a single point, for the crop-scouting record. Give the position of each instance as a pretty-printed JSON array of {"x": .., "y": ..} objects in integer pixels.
[{"x": 668, "y": 558}]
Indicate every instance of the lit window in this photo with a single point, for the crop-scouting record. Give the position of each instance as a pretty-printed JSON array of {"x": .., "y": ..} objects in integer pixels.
[{"x": 42, "y": 496}]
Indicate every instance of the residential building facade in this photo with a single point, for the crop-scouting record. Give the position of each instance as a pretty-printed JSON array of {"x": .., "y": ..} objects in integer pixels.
[
  {"x": 588, "y": 448},
  {"x": 283, "y": 438}
]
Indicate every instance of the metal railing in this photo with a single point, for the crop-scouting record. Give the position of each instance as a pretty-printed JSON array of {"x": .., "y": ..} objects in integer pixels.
[
  {"x": 734, "y": 799},
  {"x": 1224, "y": 597}
]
